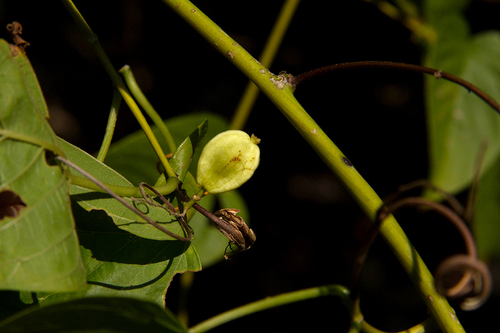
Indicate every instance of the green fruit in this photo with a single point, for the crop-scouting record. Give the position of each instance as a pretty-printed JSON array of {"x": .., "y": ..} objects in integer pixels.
[{"x": 228, "y": 161}]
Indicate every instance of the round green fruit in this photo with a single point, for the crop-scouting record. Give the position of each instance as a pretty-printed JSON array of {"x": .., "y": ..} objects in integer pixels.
[{"x": 228, "y": 161}]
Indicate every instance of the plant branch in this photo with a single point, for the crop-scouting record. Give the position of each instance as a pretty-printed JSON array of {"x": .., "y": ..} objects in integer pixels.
[
  {"x": 281, "y": 95},
  {"x": 271, "y": 302},
  {"x": 438, "y": 74}
]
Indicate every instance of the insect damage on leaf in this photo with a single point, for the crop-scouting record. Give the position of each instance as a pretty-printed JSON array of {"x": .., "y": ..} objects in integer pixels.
[{"x": 10, "y": 204}]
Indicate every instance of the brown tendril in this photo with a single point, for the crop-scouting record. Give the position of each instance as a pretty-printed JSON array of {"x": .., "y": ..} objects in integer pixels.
[
  {"x": 438, "y": 74},
  {"x": 475, "y": 284}
]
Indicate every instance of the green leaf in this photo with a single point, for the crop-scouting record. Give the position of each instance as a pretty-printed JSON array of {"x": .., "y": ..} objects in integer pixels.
[
  {"x": 435, "y": 9},
  {"x": 96, "y": 314},
  {"x": 38, "y": 247},
  {"x": 487, "y": 212},
  {"x": 183, "y": 155},
  {"x": 121, "y": 264},
  {"x": 134, "y": 158},
  {"x": 123, "y": 255},
  {"x": 458, "y": 121}
]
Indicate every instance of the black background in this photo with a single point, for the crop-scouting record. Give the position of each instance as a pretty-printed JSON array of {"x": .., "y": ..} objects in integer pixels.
[{"x": 307, "y": 225}]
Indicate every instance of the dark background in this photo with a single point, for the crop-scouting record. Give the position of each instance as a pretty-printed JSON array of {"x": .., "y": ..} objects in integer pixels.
[{"x": 307, "y": 225}]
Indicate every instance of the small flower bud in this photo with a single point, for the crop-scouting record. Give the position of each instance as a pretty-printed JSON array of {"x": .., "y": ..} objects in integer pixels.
[{"x": 228, "y": 161}]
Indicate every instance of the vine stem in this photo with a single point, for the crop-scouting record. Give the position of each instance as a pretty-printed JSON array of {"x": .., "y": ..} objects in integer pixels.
[
  {"x": 146, "y": 105},
  {"x": 110, "y": 127},
  {"x": 271, "y": 47},
  {"x": 123, "y": 191},
  {"x": 118, "y": 82},
  {"x": 282, "y": 96},
  {"x": 271, "y": 302}
]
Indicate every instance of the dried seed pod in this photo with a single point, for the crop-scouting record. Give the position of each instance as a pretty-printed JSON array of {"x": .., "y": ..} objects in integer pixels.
[
  {"x": 235, "y": 228},
  {"x": 228, "y": 161}
]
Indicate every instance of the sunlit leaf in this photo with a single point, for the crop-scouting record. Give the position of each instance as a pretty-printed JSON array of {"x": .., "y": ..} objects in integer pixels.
[{"x": 38, "y": 247}]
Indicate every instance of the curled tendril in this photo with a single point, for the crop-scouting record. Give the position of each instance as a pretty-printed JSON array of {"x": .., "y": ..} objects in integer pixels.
[{"x": 474, "y": 284}]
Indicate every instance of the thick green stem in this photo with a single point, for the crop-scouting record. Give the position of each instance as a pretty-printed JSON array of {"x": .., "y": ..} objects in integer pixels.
[
  {"x": 271, "y": 302},
  {"x": 282, "y": 96}
]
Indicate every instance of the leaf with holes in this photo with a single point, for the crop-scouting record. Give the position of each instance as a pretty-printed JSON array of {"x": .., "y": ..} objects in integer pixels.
[{"x": 38, "y": 243}]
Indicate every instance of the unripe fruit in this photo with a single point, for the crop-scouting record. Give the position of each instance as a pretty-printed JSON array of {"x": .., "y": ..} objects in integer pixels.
[{"x": 228, "y": 161}]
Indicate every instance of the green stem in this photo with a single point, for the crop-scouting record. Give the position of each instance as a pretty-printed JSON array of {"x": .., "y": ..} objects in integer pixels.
[
  {"x": 271, "y": 302},
  {"x": 282, "y": 96},
  {"x": 143, "y": 101},
  {"x": 110, "y": 127},
  {"x": 266, "y": 59},
  {"x": 123, "y": 191},
  {"x": 5, "y": 133},
  {"x": 117, "y": 81}
]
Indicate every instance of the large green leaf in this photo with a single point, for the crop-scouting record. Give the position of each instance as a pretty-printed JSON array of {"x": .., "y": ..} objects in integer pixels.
[
  {"x": 123, "y": 255},
  {"x": 459, "y": 121},
  {"x": 95, "y": 314},
  {"x": 38, "y": 247}
]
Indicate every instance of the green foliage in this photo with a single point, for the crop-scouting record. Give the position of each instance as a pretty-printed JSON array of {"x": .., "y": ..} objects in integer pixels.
[
  {"x": 122, "y": 255},
  {"x": 133, "y": 158},
  {"x": 38, "y": 247},
  {"x": 95, "y": 314},
  {"x": 458, "y": 121}
]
